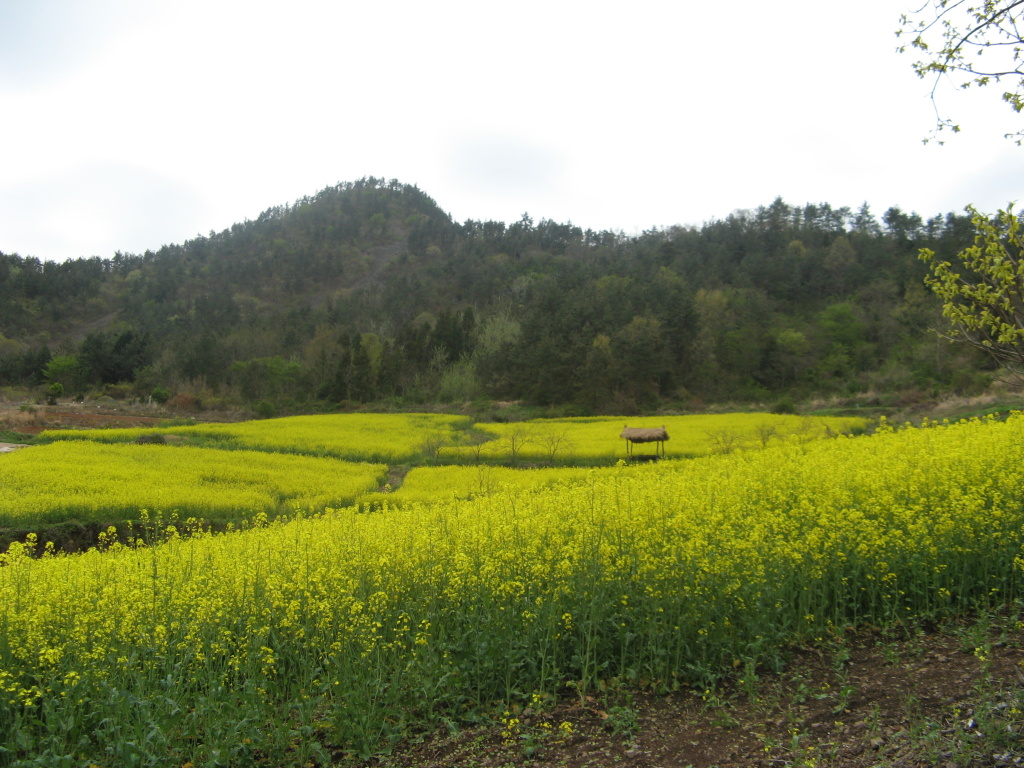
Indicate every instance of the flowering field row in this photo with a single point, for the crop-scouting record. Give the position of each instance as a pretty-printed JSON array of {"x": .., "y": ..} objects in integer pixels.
[
  {"x": 408, "y": 438},
  {"x": 378, "y": 437},
  {"x": 114, "y": 479},
  {"x": 596, "y": 439},
  {"x": 98, "y": 482},
  {"x": 285, "y": 643},
  {"x": 429, "y": 485}
]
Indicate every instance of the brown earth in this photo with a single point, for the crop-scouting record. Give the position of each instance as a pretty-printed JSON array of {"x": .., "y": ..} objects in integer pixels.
[
  {"x": 35, "y": 419},
  {"x": 32, "y": 420},
  {"x": 951, "y": 697},
  {"x": 54, "y": 419}
]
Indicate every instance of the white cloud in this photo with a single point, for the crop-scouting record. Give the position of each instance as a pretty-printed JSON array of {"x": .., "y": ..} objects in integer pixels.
[
  {"x": 100, "y": 205},
  {"x": 611, "y": 116}
]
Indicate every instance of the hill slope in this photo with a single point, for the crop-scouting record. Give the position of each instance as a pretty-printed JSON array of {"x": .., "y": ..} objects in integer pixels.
[{"x": 369, "y": 291}]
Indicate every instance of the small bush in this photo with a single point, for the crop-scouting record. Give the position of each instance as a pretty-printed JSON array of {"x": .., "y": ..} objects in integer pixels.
[
  {"x": 54, "y": 391},
  {"x": 117, "y": 391},
  {"x": 785, "y": 406}
]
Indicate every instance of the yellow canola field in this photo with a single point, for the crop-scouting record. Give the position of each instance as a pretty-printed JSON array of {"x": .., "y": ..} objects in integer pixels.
[
  {"x": 662, "y": 575},
  {"x": 404, "y": 437},
  {"x": 378, "y": 437},
  {"x": 590, "y": 438},
  {"x": 427, "y": 485},
  {"x": 105, "y": 483}
]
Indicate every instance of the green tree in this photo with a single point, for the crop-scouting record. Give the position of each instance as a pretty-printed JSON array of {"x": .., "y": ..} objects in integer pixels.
[
  {"x": 949, "y": 37},
  {"x": 320, "y": 353},
  {"x": 792, "y": 354},
  {"x": 112, "y": 359},
  {"x": 390, "y": 369},
  {"x": 983, "y": 295},
  {"x": 599, "y": 376},
  {"x": 362, "y": 387},
  {"x": 66, "y": 371},
  {"x": 266, "y": 377},
  {"x": 340, "y": 388},
  {"x": 839, "y": 264},
  {"x": 643, "y": 354}
]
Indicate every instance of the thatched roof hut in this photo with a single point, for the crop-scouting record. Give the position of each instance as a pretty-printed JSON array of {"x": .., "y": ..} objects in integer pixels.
[
  {"x": 643, "y": 435},
  {"x": 633, "y": 435}
]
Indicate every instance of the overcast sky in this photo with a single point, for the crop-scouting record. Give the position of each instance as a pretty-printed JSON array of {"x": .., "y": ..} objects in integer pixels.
[{"x": 127, "y": 125}]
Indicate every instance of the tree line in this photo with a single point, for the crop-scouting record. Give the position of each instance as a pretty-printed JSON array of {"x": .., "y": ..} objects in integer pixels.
[{"x": 368, "y": 292}]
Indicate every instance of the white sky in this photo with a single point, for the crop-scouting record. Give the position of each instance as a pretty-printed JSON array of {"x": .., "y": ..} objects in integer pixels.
[{"x": 127, "y": 125}]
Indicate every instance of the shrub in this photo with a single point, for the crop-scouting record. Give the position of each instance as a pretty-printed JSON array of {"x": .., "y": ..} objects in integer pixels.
[
  {"x": 54, "y": 391},
  {"x": 185, "y": 401},
  {"x": 784, "y": 406},
  {"x": 117, "y": 391}
]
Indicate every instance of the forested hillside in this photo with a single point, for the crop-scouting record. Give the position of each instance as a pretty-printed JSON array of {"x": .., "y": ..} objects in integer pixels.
[{"x": 370, "y": 292}]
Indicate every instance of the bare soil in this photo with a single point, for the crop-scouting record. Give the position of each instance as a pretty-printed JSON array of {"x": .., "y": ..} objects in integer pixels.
[
  {"x": 34, "y": 419},
  {"x": 950, "y": 697}
]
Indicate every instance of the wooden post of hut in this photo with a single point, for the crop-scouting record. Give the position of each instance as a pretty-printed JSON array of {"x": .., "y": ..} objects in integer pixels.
[{"x": 634, "y": 435}]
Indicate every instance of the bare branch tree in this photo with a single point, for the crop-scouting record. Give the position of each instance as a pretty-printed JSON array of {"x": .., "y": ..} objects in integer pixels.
[
  {"x": 765, "y": 432},
  {"x": 553, "y": 442},
  {"x": 949, "y": 38},
  {"x": 723, "y": 440},
  {"x": 517, "y": 438}
]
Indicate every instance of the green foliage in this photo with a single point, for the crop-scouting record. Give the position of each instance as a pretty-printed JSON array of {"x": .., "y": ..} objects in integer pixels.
[
  {"x": 267, "y": 377},
  {"x": 265, "y": 409},
  {"x": 459, "y": 382},
  {"x": 66, "y": 371},
  {"x": 367, "y": 292},
  {"x": 110, "y": 358},
  {"x": 983, "y": 296},
  {"x": 623, "y": 722},
  {"x": 784, "y": 406},
  {"x": 55, "y": 390}
]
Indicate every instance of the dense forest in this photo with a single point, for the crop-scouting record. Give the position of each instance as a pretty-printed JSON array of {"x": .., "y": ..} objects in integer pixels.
[{"x": 368, "y": 292}]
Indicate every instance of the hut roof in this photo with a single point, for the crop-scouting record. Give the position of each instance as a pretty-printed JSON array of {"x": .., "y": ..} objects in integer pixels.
[{"x": 641, "y": 435}]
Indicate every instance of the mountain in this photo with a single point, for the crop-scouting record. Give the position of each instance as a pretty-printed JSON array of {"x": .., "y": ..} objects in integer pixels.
[{"x": 369, "y": 292}]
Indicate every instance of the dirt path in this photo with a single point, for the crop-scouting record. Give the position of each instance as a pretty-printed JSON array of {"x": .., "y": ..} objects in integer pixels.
[{"x": 8, "y": 447}]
